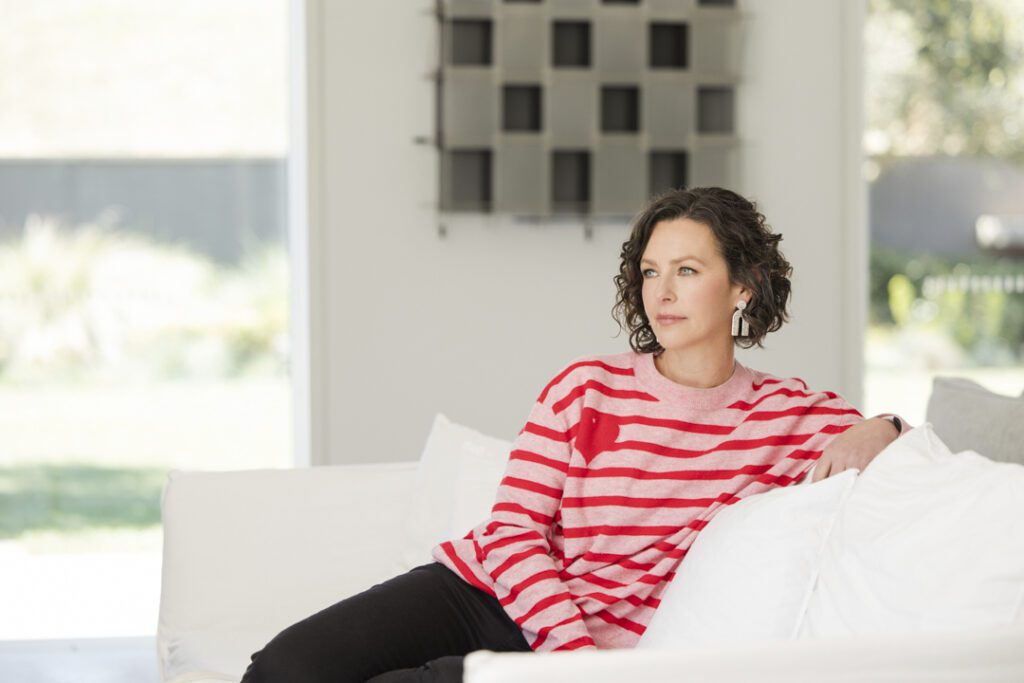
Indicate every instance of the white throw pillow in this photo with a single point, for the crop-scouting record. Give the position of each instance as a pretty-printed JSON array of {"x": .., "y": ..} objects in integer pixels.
[
  {"x": 432, "y": 508},
  {"x": 928, "y": 541},
  {"x": 481, "y": 469},
  {"x": 750, "y": 572}
]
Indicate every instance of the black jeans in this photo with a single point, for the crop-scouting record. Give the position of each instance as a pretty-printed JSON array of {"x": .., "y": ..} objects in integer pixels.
[{"x": 414, "y": 627}]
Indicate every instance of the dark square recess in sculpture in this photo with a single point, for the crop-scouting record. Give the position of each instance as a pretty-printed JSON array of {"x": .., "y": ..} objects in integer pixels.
[
  {"x": 620, "y": 109},
  {"x": 471, "y": 42},
  {"x": 570, "y": 181},
  {"x": 716, "y": 3},
  {"x": 669, "y": 45},
  {"x": 715, "y": 109},
  {"x": 570, "y": 43},
  {"x": 667, "y": 171},
  {"x": 521, "y": 108},
  {"x": 471, "y": 180}
]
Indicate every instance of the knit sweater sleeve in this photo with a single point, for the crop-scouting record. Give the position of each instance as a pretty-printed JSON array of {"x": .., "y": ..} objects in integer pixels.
[
  {"x": 844, "y": 416},
  {"x": 514, "y": 544}
]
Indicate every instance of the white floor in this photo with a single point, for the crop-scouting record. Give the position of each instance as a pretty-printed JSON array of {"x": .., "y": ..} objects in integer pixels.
[
  {"x": 71, "y": 595},
  {"x": 101, "y": 660}
]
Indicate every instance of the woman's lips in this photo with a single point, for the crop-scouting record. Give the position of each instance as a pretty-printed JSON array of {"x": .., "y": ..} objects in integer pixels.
[{"x": 668, "y": 320}]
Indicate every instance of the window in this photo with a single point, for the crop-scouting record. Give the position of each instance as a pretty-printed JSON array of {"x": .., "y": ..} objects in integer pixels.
[
  {"x": 143, "y": 288},
  {"x": 944, "y": 150}
]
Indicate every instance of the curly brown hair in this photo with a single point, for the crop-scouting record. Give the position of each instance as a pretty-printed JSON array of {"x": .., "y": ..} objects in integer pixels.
[{"x": 744, "y": 240}]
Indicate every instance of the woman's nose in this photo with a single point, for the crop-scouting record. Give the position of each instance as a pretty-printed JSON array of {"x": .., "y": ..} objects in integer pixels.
[{"x": 665, "y": 292}]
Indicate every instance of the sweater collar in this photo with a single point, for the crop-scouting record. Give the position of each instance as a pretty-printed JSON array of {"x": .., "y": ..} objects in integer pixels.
[{"x": 691, "y": 397}]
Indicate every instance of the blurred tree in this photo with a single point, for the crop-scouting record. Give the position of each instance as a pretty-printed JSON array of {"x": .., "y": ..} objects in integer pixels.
[{"x": 945, "y": 77}]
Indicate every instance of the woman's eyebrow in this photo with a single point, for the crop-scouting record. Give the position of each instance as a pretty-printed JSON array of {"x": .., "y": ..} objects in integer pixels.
[{"x": 675, "y": 260}]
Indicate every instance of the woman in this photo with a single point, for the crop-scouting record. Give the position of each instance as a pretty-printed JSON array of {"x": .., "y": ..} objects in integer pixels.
[{"x": 623, "y": 460}]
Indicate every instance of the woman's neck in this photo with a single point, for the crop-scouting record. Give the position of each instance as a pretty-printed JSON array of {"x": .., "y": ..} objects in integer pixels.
[{"x": 694, "y": 369}]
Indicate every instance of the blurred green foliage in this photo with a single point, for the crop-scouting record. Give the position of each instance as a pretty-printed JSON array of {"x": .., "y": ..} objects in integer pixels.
[
  {"x": 988, "y": 325},
  {"x": 943, "y": 78},
  {"x": 94, "y": 302},
  {"x": 76, "y": 497}
]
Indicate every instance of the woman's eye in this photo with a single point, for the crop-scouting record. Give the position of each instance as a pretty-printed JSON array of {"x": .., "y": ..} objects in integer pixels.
[{"x": 681, "y": 269}]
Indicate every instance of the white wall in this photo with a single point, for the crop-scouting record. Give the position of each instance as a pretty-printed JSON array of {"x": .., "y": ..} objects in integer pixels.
[{"x": 475, "y": 323}]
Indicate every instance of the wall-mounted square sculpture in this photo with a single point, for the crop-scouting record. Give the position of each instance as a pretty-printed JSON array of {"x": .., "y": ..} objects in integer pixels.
[{"x": 549, "y": 108}]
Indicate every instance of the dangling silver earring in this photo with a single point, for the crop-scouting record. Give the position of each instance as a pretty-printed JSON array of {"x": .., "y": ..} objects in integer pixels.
[{"x": 740, "y": 326}]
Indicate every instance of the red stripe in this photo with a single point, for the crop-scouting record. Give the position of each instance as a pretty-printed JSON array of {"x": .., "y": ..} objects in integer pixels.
[
  {"x": 765, "y": 415},
  {"x": 516, "y": 558},
  {"x": 528, "y": 485},
  {"x": 708, "y": 428},
  {"x": 630, "y": 502},
  {"x": 610, "y": 558},
  {"x": 523, "y": 585},
  {"x": 464, "y": 570},
  {"x": 731, "y": 445},
  {"x": 631, "y": 599},
  {"x": 601, "y": 582},
  {"x": 527, "y": 456},
  {"x": 803, "y": 454},
  {"x": 583, "y": 364},
  {"x": 542, "y": 605},
  {"x": 538, "y": 517},
  {"x": 616, "y": 559},
  {"x": 601, "y": 388},
  {"x": 655, "y": 579},
  {"x": 633, "y": 530},
  {"x": 621, "y": 622},
  {"x": 671, "y": 475},
  {"x": 781, "y": 391},
  {"x": 780, "y": 479},
  {"x": 542, "y": 634},
  {"x": 546, "y": 432},
  {"x": 582, "y": 641},
  {"x": 651, "y": 579},
  {"x": 768, "y": 380},
  {"x": 509, "y": 540},
  {"x": 677, "y": 425}
]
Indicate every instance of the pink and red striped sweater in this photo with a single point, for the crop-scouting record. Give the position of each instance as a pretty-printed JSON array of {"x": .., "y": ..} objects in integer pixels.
[{"x": 615, "y": 473}]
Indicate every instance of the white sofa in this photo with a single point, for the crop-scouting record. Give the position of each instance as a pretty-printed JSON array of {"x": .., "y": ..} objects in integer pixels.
[{"x": 866, "y": 577}]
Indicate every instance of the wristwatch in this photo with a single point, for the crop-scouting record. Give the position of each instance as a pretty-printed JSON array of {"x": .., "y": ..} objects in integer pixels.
[{"x": 896, "y": 421}]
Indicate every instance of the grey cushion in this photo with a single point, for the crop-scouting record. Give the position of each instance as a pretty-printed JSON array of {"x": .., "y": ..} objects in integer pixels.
[{"x": 967, "y": 416}]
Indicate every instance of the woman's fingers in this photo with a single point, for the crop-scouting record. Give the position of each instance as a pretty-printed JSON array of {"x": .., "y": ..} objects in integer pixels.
[{"x": 822, "y": 470}]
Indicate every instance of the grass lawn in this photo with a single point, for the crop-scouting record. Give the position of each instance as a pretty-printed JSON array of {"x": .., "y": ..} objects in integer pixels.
[{"x": 89, "y": 460}]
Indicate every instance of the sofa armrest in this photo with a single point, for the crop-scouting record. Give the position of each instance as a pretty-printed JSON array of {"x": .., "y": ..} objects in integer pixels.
[{"x": 248, "y": 553}]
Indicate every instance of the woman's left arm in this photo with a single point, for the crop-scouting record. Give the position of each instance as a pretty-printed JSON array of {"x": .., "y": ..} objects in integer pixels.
[{"x": 858, "y": 445}]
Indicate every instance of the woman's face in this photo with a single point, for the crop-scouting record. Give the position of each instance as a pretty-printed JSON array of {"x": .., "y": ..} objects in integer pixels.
[{"x": 685, "y": 276}]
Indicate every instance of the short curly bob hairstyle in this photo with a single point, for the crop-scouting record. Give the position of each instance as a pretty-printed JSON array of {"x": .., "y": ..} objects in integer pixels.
[{"x": 745, "y": 241}]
